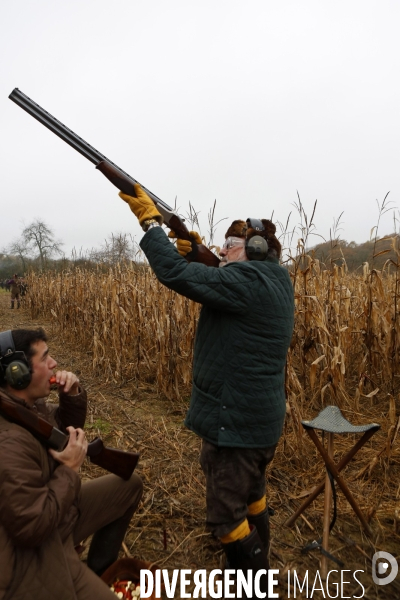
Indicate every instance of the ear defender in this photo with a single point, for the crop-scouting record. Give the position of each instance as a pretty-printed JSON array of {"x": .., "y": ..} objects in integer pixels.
[
  {"x": 13, "y": 364},
  {"x": 18, "y": 375},
  {"x": 257, "y": 246}
]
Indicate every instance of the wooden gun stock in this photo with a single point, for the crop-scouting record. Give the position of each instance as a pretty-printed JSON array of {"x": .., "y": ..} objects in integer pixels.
[
  {"x": 116, "y": 461},
  {"x": 37, "y": 426},
  {"x": 200, "y": 253}
]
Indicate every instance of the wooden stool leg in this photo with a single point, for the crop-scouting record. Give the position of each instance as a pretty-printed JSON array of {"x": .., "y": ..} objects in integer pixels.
[
  {"x": 327, "y": 510},
  {"x": 320, "y": 488},
  {"x": 339, "y": 480}
]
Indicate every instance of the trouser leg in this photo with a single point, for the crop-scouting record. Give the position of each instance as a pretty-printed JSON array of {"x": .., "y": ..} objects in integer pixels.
[
  {"x": 86, "y": 584},
  {"x": 106, "y": 508},
  {"x": 106, "y": 543},
  {"x": 235, "y": 481},
  {"x": 12, "y": 304}
]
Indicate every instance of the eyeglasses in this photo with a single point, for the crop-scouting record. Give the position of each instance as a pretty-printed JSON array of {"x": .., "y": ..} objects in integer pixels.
[{"x": 230, "y": 242}]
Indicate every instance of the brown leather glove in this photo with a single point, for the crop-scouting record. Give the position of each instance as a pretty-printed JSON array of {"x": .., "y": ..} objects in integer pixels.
[
  {"x": 142, "y": 206},
  {"x": 184, "y": 246}
]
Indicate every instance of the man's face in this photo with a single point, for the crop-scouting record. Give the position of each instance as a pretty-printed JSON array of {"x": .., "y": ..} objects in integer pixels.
[
  {"x": 42, "y": 369},
  {"x": 232, "y": 251}
]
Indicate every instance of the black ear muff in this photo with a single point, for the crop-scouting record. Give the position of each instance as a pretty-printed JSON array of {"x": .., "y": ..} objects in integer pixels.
[
  {"x": 257, "y": 246},
  {"x": 14, "y": 366},
  {"x": 18, "y": 375}
]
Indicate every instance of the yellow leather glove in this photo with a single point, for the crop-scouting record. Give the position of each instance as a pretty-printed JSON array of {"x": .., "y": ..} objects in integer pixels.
[
  {"x": 142, "y": 206},
  {"x": 184, "y": 246}
]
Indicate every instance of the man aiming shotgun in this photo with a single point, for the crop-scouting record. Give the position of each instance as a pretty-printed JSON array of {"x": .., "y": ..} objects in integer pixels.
[{"x": 238, "y": 400}]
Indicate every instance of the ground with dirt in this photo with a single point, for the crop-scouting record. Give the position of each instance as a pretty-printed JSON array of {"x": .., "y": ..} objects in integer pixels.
[{"x": 169, "y": 526}]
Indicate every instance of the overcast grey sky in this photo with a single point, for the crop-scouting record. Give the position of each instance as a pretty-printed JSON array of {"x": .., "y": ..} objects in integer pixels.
[{"x": 246, "y": 102}]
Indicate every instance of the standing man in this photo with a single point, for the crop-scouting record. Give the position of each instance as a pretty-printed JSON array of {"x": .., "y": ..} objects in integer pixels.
[
  {"x": 15, "y": 291},
  {"x": 238, "y": 400},
  {"x": 45, "y": 510}
]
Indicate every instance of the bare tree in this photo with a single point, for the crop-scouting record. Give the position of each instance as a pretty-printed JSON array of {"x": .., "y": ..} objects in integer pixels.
[
  {"x": 117, "y": 248},
  {"x": 19, "y": 248},
  {"x": 120, "y": 247},
  {"x": 40, "y": 237}
]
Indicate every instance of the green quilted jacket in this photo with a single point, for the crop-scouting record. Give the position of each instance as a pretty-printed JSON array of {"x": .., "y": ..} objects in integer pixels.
[{"x": 242, "y": 338}]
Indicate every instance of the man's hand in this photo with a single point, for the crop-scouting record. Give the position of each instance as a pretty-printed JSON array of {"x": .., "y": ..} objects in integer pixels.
[
  {"x": 74, "y": 452},
  {"x": 142, "y": 206},
  {"x": 184, "y": 246},
  {"x": 67, "y": 382}
]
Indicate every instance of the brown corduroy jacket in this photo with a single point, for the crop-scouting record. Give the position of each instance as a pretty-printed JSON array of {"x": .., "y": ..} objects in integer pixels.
[{"x": 38, "y": 506}]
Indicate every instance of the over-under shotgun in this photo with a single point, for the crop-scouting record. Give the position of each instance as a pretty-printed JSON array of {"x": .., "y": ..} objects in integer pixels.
[
  {"x": 116, "y": 461},
  {"x": 117, "y": 176}
]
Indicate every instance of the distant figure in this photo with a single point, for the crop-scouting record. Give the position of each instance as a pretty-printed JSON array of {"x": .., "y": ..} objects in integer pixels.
[
  {"x": 23, "y": 287},
  {"x": 14, "y": 288}
]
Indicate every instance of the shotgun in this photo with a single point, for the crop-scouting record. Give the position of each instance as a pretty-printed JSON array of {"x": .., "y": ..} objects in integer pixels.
[
  {"x": 116, "y": 461},
  {"x": 117, "y": 176}
]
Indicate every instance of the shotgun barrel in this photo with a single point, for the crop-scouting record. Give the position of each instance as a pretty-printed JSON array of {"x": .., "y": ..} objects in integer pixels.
[
  {"x": 115, "y": 174},
  {"x": 71, "y": 138}
]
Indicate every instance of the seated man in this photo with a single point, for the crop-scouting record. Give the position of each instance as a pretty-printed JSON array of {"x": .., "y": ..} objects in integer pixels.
[{"x": 45, "y": 510}]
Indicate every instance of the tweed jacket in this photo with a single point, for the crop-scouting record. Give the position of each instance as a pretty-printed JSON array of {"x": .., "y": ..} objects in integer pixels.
[{"x": 242, "y": 338}]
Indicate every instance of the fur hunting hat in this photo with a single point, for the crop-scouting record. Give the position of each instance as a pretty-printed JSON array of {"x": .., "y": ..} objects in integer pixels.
[{"x": 239, "y": 229}]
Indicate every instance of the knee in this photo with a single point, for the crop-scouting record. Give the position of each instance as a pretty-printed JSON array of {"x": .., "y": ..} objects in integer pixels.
[{"x": 136, "y": 488}]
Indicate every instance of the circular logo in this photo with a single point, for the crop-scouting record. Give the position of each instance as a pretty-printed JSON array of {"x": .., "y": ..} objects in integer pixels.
[{"x": 379, "y": 569}]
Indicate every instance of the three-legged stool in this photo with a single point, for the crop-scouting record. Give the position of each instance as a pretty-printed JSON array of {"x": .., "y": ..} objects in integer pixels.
[{"x": 331, "y": 420}]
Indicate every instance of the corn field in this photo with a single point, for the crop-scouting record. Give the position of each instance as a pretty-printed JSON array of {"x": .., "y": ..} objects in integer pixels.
[{"x": 344, "y": 349}]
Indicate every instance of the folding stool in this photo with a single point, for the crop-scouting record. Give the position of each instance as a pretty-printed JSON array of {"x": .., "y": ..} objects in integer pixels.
[{"x": 331, "y": 421}]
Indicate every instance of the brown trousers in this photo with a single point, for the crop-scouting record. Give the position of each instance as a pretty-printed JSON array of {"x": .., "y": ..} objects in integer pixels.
[
  {"x": 103, "y": 501},
  {"x": 235, "y": 478}
]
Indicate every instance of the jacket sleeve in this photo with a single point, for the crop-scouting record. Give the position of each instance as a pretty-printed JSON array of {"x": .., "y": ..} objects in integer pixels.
[
  {"x": 30, "y": 508},
  {"x": 71, "y": 410},
  {"x": 228, "y": 288}
]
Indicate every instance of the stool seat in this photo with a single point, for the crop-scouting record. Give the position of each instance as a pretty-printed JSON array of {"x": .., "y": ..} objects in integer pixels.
[{"x": 330, "y": 419}]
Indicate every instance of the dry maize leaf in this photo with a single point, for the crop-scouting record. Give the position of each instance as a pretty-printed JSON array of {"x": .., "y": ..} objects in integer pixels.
[
  {"x": 389, "y": 440},
  {"x": 392, "y": 409},
  {"x": 357, "y": 399},
  {"x": 313, "y": 370},
  {"x": 381, "y": 252},
  {"x": 371, "y": 394},
  {"x": 324, "y": 390},
  {"x": 372, "y": 465}
]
